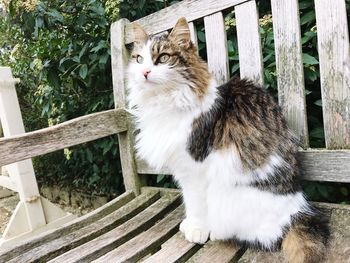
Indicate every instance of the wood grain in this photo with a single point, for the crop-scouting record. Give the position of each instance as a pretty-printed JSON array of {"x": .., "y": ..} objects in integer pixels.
[
  {"x": 215, "y": 35},
  {"x": 289, "y": 66},
  {"x": 147, "y": 242},
  {"x": 167, "y": 17},
  {"x": 249, "y": 46},
  {"x": 49, "y": 250},
  {"x": 194, "y": 37},
  {"x": 325, "y": 165},
  {"x": 119, "y": 57},
  {"x": 43, "y": 238},
  {"x": 217, "y": 252},
  {"x": 118, "y": 236},
  {"x": 317, "y": 165},
  {"x": 334, "y": 56},
  {"x": 73, "y": 132},
  {"x": 176, "y": 249}
]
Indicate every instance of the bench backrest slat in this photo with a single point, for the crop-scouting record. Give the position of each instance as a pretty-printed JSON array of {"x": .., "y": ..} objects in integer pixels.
[
  {"x": 193, "y": 30},
  {"x": 249, "y": 45},
  {"x": 120, "y": 60},
  {"x": 334, "y": 56},
  {"x": 215, "y": 36},
  {"x": 167, "y": 17},
  {"x": 289, "y": 65}
]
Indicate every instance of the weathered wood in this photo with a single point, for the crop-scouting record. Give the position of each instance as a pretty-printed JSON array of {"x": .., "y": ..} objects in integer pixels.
[
  {"x": 194, "y": 37},
  {"x": 176, "y": 249},
  {"x": 116, "y": 237},
  {"x": 317, "y": 165},
  {"x": 167, "y": 17},
  {"x": 217, "y": 252},
  {"x": 144, "y": 168},
  {"x": 83, "y": 129},
  {"x": 73, "y": 239},
  {"x": 43, "y": 238},
  {"x": 6, "y": 182},
  {"x": 326, "y": 165},
  {"x": 289, "y": 65},
  {"x": 119, "y": 56},
  {"x": 334, "y": 54},
  {"x": 147, "y": 242},
  {"x": 249, "y": 45},
  {"x": 215, "y": 35}
]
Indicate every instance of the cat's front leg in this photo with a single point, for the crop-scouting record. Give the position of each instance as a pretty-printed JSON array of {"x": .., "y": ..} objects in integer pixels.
[{"x": 194, "y": 226}]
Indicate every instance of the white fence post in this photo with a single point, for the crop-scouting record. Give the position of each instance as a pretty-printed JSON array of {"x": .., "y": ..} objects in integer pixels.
[{"x": 33, "y": 211}]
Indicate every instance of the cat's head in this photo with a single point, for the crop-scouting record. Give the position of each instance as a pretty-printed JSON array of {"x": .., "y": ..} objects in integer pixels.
[{"x": 168, "y": 63}]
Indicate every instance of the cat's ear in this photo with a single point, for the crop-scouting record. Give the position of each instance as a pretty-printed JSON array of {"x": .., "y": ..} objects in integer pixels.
[
  {"x": 181, "y": 33},
  {"x": 140, "y": 35}
]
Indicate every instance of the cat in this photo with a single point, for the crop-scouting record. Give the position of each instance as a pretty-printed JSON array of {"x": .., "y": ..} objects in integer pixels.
[{"x": 228, "y": 147}]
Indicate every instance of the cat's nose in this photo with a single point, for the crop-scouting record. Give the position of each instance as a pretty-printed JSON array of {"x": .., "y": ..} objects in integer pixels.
[{"x": 146, "y": 72}]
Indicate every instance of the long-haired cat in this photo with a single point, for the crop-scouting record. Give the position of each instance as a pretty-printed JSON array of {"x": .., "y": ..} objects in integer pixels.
[{"x": 228, "y": 147}]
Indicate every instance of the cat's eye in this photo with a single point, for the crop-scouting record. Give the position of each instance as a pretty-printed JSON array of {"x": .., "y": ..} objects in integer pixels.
[
  {"x": 163, "y": 58},
  {"x": 139, "y": 59}
]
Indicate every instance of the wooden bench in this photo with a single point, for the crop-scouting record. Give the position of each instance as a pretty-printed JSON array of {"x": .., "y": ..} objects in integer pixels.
[{"x": 142, "y": 224}]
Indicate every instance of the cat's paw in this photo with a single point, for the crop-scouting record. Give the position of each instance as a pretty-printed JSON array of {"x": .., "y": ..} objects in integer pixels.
[{"x": 194, "y": 231}]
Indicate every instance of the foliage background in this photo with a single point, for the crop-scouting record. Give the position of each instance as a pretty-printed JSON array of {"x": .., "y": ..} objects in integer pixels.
[{"x": 60, "y": 50}]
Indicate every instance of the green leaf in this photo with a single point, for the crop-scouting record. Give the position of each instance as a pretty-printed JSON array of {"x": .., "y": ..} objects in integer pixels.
[
  {"x": 317, "y": 133},
  {"x": 235, "y": 68},
  {"x": 103, "y": 59},
  {"x": 310, "y": 74},
  {"x": 307, "y": 17},
  {"x": 310, "y": 60},
  {"x": 83, "y": 71},
  {"x": 89, "y": 155},
  {"x": 160, "y": 177},
  {"x": 344, "y": 191},
  {"x": 308, "y": 36},
  {"x": 318, "y": 103},
  {"x": 100, "y": 45},
  {"x": 308, "y": 92},
  {"x": 56, "y": 15},
  {"x": 201, "y": 36},
  {"x": 53, "y": 78},
  {"x": 82, "y": 51},
  {"x": 323, "y": 190}
]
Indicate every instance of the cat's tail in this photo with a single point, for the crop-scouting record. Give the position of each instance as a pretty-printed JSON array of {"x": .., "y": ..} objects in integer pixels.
[{"x": 307, "y": 239}]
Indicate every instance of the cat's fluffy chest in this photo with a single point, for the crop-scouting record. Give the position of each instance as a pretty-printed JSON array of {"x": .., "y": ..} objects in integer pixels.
[{"x": 163, "y": 137}]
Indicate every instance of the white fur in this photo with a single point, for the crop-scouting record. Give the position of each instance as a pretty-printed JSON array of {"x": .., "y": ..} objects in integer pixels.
[{"x": 216, "y": 192}]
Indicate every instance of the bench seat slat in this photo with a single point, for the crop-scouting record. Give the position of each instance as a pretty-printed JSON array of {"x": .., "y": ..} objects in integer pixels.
[
  {"x": 8, "y": 253},
  {"x": 147, "y": 242},
  {"x": 217, "y": 252},
  {"x": 47, "y": 251},
  {"x": 80, "y": 130},
  {"x": 215, "y": 35},
  {"x": 249, "y": 46},
  {"x": 334, "y": 56},
  {"x": 176, "y": 249},
  {"x": 112, "y": 239},
  {"x": 289, "y": 66}
]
